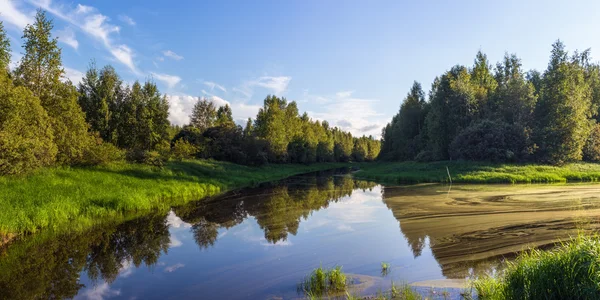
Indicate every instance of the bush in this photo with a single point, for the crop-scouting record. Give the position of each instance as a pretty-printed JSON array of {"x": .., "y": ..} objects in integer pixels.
[
  {"x": 182, "y": 149},
  {"x": 103, "y": 153},
  {"x": 493, "y": 141},
  {"x": 591, "y": 150},
  {"x": 26, "y": 137},
  {"x": 152, "y": 158}
]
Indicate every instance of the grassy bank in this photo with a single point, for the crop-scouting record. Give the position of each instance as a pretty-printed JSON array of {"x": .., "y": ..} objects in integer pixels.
[
  {"x": 76, "y": 198},
  {"x": 570, "y": 272},
  {"x": 477, "y": 172}
]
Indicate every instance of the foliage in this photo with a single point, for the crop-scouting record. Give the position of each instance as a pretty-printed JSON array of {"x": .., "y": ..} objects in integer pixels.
[
  {"x": 4, "y": 49},
  {"x": 182, "y": 149},
  {"x": 491, "y": 141},
  {"x": 204, "y": 114},
  {"x": 568, "y": 272},
  {"x": 591, "y": 150},
  {"x": 26, "y": 138},
  {"x": 502, "y": 115}
]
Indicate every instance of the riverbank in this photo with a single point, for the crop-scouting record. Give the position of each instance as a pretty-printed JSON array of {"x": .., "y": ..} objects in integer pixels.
[
  {"x": 76, "y": 198},
  {"x": 477, "y": 172}
]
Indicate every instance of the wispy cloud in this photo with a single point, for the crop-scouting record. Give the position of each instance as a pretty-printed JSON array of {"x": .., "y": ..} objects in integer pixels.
[
  {"x": 172, "y": 55},
  {"x": 127, "y": 20},
  {"x": 94, "y": 24},
  {"x": 11, "y": 14},
  {"x": 276, "y": 84},
  {"x": 98, "y": 292},
  {"x": 174, "y": 267},
  {"x": 181, "y": 105},
  {"x": 213, "y": 85},
  {"x": 170, "y": 80},
  {"x": 67, "y": 36}
]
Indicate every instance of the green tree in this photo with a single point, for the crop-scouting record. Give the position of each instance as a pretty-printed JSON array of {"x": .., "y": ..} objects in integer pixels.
[
  {"x": 224, "y": 116},
  {"x": 564, "y": 108},
  {"x": 204, "y": 114},
  {"x": 40, "y": 70},
  {"x": 4, "y": 48},
  {"x": 26, "y": 138}
]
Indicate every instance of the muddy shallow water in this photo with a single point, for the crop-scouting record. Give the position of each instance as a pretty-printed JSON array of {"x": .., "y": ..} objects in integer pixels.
[{"x": 259, "y": 243}]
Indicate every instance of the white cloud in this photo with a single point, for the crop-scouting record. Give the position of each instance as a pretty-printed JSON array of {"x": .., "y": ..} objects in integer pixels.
[
  {"x": 172, "y": 55},
  {"x": 175, "y": 242},
  {"x": 278, "y": 243},
  {"x": 98, "y": 292},
  {"x": 74, "y": 75},
  {"x": 276, "y": 85},
  {"x": 174, "y": 267},
  {"x": 344, "y": 94},
  {"x": 96, "y": 25},
  {"x": 12, "y": 15},
  {"x": 214, "y": 85},
  {"x": 169, "y": 80},
  {"x": 127, "y": 20},
  {"x": 353, "y": 114},
  {"x": 67, "y": 36},
  {"x": 126, "y": 269},
  {"x": 180, "y": 108},
  {"x": 174, "y": 221}
]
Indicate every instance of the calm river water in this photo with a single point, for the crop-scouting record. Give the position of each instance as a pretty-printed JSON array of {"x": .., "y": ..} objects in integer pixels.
[{"x": 259, "y": 243}]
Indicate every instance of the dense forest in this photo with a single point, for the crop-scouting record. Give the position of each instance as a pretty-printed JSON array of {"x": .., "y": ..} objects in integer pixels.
[
  {"x": 502, "y": 114},
  {"x": 46, "y": 121}
]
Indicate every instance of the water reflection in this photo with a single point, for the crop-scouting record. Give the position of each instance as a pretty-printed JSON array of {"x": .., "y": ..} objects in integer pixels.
[{"x": 263, "y": 240}]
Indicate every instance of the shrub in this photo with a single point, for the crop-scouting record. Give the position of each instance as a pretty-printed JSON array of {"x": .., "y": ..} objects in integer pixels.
[
  {"x": 182, "y": 149},
  {"x": 591, "y": 150},
  {"x": 494, "y": 141},
  {"x": 103, "y": 153},
  {"x": 426, "y": 156},
  {"x": 26, "y": 137}
]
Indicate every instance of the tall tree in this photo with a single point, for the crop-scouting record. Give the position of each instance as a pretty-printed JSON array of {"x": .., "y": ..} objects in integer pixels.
[
  {"x": 484, "y": 83},
  {"x": 224, "y": 116},
  {"x": 563, "y": 109},
  {"x": 40, "y": 70},
  {"x": 204, "y": 114}
]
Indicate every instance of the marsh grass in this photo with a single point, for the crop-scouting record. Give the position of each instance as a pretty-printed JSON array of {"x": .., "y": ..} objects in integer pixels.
[
  {"x": 323, "y": 282},
  {"x": 477, "y": 172},
  {"x": 571, "y": 271},
  {"x": 78, "y": 198},
  {"x": 398, "y": 292}
]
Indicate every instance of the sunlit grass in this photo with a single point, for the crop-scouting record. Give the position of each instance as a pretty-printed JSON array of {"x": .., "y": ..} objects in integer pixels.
[
  {"x": 385, "y": 268},
  {"x": 572, "y": 271},
  {"x": 76, "y": 198},
  {"x": 478, "y": 172}
]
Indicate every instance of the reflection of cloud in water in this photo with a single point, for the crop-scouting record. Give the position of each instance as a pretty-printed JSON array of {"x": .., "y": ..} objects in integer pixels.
[
  {"x": 175, "y": 242},
  {"x": 278, "y": 243},
  {"x": 345, "y": 227},
  {"x": 126, "y": 269},
  {"x": 174, "y": 267},
  {"x": 175, "y": 222},
  {"x": 98, "y": 292}
]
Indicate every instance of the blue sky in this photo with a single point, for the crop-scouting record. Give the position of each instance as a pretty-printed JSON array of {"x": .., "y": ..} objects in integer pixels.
[{"x": 349, "y": 62}]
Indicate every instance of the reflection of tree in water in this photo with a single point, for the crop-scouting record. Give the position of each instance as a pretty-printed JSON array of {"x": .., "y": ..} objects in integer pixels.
[
  {"x": 47, "y": 266},
  {"x": 205, "y": 233},
  {"x": 278, "y": 208}
]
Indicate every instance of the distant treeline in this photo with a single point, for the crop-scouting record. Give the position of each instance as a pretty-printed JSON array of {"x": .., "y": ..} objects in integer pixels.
[
  {"x": 502, "y": 114},
  {"x": 45, "y": 120}
]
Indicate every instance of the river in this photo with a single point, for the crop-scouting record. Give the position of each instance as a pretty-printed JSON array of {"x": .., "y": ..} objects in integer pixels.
[{"x": 259, "y": 243}]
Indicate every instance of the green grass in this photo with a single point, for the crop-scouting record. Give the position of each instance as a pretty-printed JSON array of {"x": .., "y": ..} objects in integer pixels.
[
  {"x": 477, "y": 172},
  {"x": 572, "y": 271},
  {"x": 323, "y": 282},
  {"x": 76, "y": 198}
]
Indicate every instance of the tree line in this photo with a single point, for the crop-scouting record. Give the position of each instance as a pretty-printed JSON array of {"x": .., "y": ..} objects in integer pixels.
[
  {"x": 45, "y": 120},
  {"x": 502, "y": 114}
]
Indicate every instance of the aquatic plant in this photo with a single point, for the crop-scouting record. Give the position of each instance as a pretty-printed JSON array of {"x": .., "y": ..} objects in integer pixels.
[
  {"x": 385, "y": 269},
  {"x": 324, "y": 281},
  {"x": 571, "y": 271}
]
